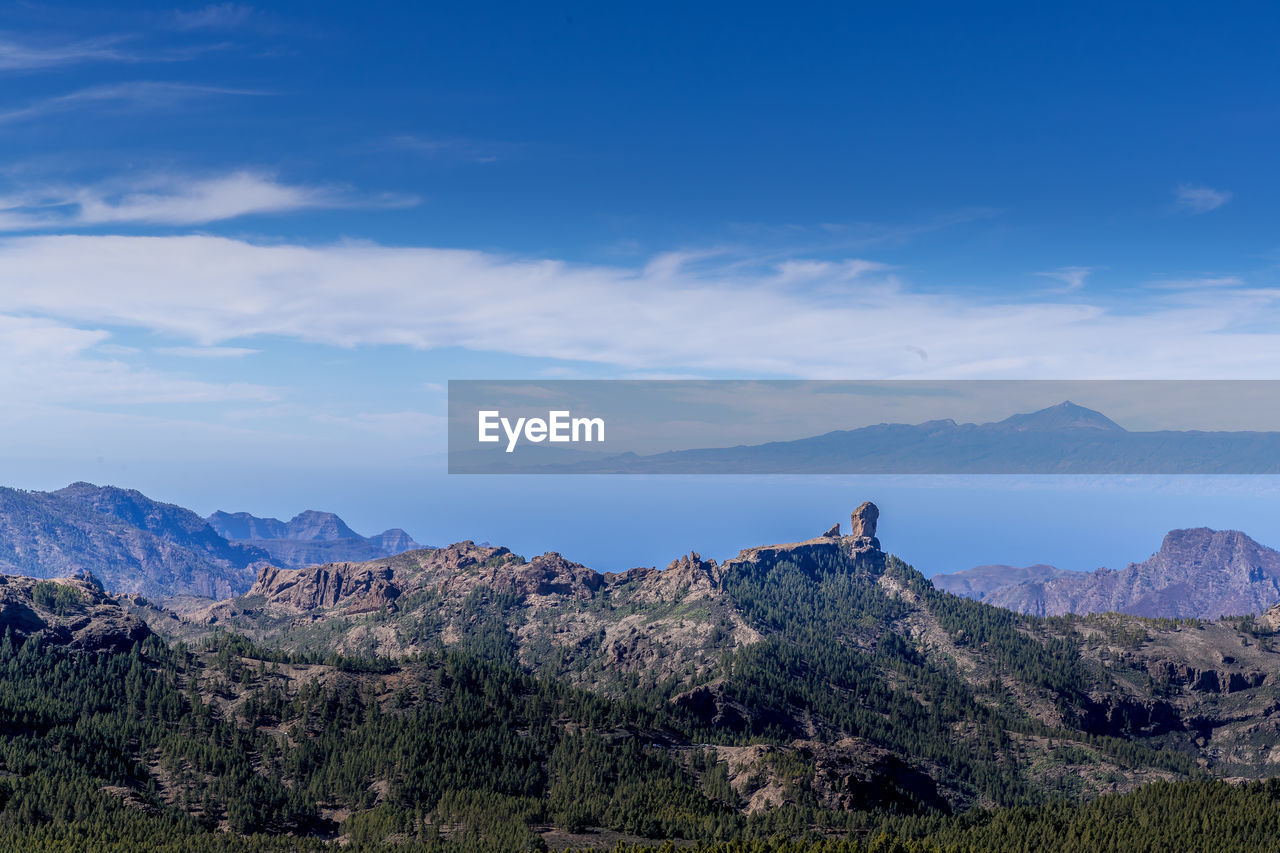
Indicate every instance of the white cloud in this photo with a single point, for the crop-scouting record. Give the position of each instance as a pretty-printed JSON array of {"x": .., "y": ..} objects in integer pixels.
[
  {"x": 1198, "y": 283},
  {"x": 136, "y": 95},
  {"x": 207, "y": 352},
  {"x": 1194, "y": 199},
  {"x": 51, "y": 363},
  {"x": 1072, "y": 278},
  {"x": 454, "y": 148},
  {"x": 171, "y": 200},
  {"x": 731, "y": 318},
  {"x": 20, "y": 56}
]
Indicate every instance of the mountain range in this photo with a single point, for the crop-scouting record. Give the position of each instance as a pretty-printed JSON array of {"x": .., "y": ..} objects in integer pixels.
[
  {"x": 1062, "y": 439},
  {"x": 848, "y": 661},
  {"x": 1197, "y": 573},
  {"x": 467, "y": 697},
  {"x": 136, "y": 544},
  {"x": 308, "y": 538}
]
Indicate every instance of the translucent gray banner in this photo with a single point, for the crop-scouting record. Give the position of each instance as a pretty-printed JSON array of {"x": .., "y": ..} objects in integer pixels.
[{"x": 864, "y": 427}]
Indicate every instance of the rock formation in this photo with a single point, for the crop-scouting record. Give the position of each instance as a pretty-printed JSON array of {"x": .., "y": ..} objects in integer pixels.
[
  {"x": 862, "y": 522},
  {"x": 862, "y": 526},
  {"x": 361, "y": 588},
  {"x": 310, "y": 538},
  {"x": 1198, "y": 573},
  {"x": 74, "y": 612}
]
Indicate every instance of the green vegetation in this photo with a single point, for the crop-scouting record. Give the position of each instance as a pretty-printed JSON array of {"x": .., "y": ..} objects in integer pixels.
[
  {"x": 1195, "y": 817},
  {"x": 230, "y": 746},
  {"x": 56, "y": 597}
]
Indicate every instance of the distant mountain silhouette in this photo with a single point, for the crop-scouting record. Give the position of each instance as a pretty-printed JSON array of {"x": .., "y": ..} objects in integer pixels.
[
  {"x": 1061, "y": 439},
  {"x": 309, "y": 538},
  {"x": 1199, "y": 573},
  {"x": 131, "y": 542},
  {"x": 1066, "y": 415}
]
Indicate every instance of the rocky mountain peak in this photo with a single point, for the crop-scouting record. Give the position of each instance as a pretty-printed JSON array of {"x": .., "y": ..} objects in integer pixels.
[
  {"x": 1065, "y": 415},
  {"x": 310, "y": 538},
  {"x": 1187, "y": 542},
  {"x": 862, "y": 522},
  {"x": 1198, "y": 572},
  {"x": 313, "y": 525}
]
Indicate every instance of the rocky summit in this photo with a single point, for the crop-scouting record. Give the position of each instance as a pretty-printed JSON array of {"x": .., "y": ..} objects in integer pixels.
[{"x": 1197, "y": 573}]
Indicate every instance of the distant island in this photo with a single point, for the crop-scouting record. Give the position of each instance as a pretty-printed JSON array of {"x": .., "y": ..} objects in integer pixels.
[{"x": 1062, "y": 439}]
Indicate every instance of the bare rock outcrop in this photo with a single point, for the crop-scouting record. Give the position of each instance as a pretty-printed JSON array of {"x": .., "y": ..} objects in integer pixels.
[
  {"x": 861, "y": 545},
  {"x": 1204, "y": 679},
  {"x": 74, "y": 612},
  {"x": 1197, "y": 573},
  {"x": 862, "y": 524},
  {"x": 689, "y": 578},
  {"x": 462, "y": 569},
  {"x": 362, "y": 587}
]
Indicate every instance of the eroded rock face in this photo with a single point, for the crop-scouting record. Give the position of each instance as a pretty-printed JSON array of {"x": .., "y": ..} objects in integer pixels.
[
  {"x": 862, "y": 522},
  {"x": 710, "y": 704},
  {"x": 364, "y": 587},
  {"x": 552, "y": 574},
  {"x": 1128, "y": 716},
  {"x": 856, "y": 775},
  {"x": 689, "y": 577},
  {"x": 1205, "y": 680},
  {"x": 1198, "y": 573},
  {"x": 861, "y": 545}
]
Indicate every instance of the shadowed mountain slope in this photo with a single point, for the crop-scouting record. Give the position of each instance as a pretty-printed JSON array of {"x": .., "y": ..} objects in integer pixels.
[{"x": 134, "y": 544}]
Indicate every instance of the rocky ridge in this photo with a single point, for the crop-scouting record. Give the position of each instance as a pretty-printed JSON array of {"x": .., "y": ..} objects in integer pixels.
[
  {"x": 1197, "y": 573},
  {"x": 133, "y": 543},
  {"x": 1205, "y": 689}
]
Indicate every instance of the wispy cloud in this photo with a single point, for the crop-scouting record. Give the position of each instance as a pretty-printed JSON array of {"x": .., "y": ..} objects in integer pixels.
[
  {"x": 215, "y": 16},
  {"x": 207, "y": 352},
  {"x": 1200, "y": 283},
  {"x": 137, "y": 95},
  {"x": 173, "y": 200},
  {"x": 1072, "y": 278},
  {"x": 17, "y": 55},
  {"x": 703, "y": 319},
  {"x": 62, "y": 364},
  {"x": 453, "y": 148},
  {"x": 1196, "y": 199}
]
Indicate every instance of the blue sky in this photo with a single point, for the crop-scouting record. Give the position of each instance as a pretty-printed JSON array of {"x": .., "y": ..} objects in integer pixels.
[{"x": 243, "y": 247}]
